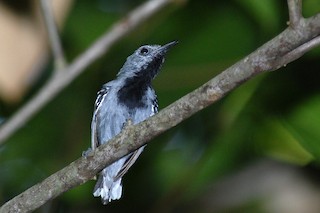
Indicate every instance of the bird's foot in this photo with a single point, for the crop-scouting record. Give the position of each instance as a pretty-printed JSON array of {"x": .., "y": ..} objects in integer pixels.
[
  {"x": 87, "y": 153},
  {"x": 127, "y": 124}
]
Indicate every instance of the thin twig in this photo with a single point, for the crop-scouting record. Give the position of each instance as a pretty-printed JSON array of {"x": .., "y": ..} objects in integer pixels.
[
  {"x": 83, "y": 169},
  {"x": 54, "y": 38},
  {"x": 299, "y": 51},
  {"x": 63, "y": 79},
  {"x": 295, "y": 15}
]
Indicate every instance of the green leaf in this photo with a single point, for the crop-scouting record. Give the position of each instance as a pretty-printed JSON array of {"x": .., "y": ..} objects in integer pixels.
[
  {"x": 266, "y": 13},
  {"x": 275, "y": 139},
  {"x": 304, "y": 125}
]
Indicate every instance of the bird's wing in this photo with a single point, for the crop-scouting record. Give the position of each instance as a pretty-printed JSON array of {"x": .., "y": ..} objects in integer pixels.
[
  {"x": 102, "y": 93},
  {"x": 155, "y": 106},
  {"x": 134, "y": 156},
  {"x": 129, "y": 162}
]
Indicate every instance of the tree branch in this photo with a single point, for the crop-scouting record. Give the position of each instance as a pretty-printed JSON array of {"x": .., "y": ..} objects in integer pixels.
[
  {"x": 265, "y": 58},
  {"x": 295, "y": 14},
  {"x": 54, "y": 39},
  {"x": 298, "y": 52},
  {"x": 67, "y": 75}
]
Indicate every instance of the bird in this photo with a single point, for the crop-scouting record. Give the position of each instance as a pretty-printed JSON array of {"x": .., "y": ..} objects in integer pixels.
[{"x": 129, "y": 97}]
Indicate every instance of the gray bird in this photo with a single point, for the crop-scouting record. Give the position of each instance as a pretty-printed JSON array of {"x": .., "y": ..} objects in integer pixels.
[{"x": 129, "y": 97}]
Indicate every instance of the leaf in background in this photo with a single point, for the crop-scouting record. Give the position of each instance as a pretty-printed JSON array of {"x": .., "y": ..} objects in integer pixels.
[
  {"x": 275, "y": 139},
  {"x": 237, "y": 101},
  {"x": 265, "y": 13},
  {"x": 310, "y": 7},
  {"x": 304, "y": 124}
]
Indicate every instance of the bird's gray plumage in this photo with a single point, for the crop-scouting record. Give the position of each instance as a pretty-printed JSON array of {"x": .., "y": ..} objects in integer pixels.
[{"x": 129, "y": 96}]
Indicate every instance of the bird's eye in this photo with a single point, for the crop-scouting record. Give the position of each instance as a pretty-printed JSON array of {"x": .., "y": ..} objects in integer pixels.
[{"x": 144, "y": 51}]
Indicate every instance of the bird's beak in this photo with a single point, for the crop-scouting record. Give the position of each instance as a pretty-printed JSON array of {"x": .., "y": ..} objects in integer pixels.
[{"x": 164, "y": 49}]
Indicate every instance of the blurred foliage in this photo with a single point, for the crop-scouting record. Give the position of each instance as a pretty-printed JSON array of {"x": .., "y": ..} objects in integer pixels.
[{"x": 275, "y": 115}]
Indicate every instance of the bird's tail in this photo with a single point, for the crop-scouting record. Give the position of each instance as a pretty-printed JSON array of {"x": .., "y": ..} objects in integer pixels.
[{"x": 107, "y": 189}]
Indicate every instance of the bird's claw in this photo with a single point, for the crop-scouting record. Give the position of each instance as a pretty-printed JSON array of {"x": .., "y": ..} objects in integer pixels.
[{"x": 87, "y": 153}]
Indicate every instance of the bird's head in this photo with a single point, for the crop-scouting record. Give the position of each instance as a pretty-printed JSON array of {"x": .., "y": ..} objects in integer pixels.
[{"x": 146, "y": 61}]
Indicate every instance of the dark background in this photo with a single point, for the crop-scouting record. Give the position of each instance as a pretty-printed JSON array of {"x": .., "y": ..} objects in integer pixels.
[{"x": 256, "y": 150}]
